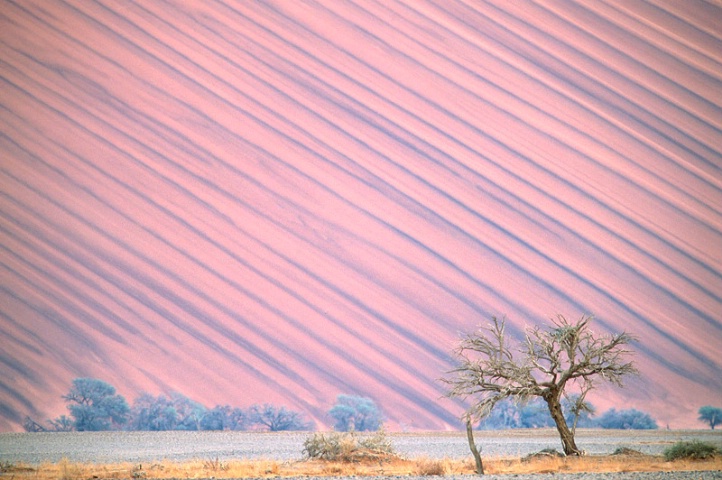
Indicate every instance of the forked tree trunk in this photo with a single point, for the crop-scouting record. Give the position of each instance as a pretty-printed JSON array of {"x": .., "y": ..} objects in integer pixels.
[
  {"x": 555, "y": 408},
  {"x": 472, "y": 446}
]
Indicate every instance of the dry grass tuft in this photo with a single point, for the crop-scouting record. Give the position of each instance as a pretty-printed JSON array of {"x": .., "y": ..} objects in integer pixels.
[{"x": 431, "y": 466}]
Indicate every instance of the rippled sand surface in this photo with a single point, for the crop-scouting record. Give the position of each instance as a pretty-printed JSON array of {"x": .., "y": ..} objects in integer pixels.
[{"x": 284, "y": 201}]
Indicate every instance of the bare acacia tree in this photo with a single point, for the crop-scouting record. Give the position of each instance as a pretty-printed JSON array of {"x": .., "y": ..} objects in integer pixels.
[{"x": 544, "y": 365}]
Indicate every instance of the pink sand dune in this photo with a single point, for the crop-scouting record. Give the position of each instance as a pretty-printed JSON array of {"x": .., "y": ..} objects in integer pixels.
[{"x": 284, "y": 201}]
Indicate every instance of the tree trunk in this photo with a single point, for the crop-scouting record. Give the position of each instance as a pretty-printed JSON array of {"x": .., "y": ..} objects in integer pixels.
[
  {"x": 567, "y": 437},
  {"x": 472, "y": 446}
]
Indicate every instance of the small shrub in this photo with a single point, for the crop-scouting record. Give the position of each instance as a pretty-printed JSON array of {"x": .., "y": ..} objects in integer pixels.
[
  {"x": 378, "y": 442},
  {"x": 547, "y": 452},
  {"x": 347, "y": 447},
  {"x": 694, "y": 450},
  {"x": 333, "y": 470},
  {"x": 323, "y": 446},
  {"x": 627, "y": 451},
  {"x": 215, "y": 465},
  {"x": 430, "y": 467},
  {"x": 68, "y": 471}
]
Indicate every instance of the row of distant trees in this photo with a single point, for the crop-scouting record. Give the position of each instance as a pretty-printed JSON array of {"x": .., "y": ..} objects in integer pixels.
[
  {"x": 94, "y": 405},
  {"x": 535, "y": 414},
  {"x": 508, "y": 414}
]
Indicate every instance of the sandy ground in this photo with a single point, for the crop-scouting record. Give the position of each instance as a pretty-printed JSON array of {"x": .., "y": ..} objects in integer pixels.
[{"x": 108, "y": 447}]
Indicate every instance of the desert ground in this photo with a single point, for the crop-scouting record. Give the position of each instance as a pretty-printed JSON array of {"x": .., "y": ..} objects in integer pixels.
[
  {"x": 212, "y": 454},
  {"x": 110, "y": 447}
]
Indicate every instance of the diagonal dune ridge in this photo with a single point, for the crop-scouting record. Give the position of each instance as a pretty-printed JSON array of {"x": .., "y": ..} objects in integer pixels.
[{"x": 279, "y": 202}]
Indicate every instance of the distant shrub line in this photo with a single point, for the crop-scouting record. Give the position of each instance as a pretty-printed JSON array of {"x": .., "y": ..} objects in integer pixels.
[
  {"x": 94, "y": 405},
  {"x": 177, "y": 412},
  {"x": 534, "y": 414}
]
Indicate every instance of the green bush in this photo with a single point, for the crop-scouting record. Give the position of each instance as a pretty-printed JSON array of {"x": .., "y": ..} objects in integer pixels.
[
  {"x": 694, "y": 450},
  {"x": 348, "y": 447}
]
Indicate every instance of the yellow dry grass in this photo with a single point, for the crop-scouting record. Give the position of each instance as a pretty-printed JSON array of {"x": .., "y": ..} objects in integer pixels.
[
  {"x": 599, "y": 464},
  {"x": 392, "y": 466}
]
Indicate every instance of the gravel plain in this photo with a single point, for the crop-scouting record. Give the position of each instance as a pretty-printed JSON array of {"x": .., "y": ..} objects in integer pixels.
[{"x": 110, "y": 447}]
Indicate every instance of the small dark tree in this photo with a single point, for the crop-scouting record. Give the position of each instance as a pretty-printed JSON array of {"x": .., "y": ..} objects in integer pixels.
[
  {"x": 237, "y": 418},
  {"x": 94, "y": 405},
  {"x": 173, "y": 412},
  {"x": 63, "y": 423},
  {"x": 710, "y": 415},
  {"x": 545, "y": 364},
  {"x": 629, "y": 419},
  {"x": 226, "y": 418},
  {"x": 277, "y": 419},
  {"x": 31, "y": 425},
  {"x": 578, "y": 412},
  {"x": 189, "y": 412},
  {"x": 355, "y": 413},
  {"x": 215, "y": 419},
  {"x": 153, "y": 413}
]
